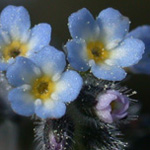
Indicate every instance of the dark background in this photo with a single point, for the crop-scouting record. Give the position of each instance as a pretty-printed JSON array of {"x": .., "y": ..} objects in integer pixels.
[{"x": 17, "y": 134}]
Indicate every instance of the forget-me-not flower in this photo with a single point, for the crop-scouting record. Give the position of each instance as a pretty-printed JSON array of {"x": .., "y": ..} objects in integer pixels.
[
  {"x": 112, "y": 106},
  {"x": 142, "y": 33},
  {"x": 41, "y": 85},
  {"x": 101, "y": 44},
  {"x": 16, "y": 38}
]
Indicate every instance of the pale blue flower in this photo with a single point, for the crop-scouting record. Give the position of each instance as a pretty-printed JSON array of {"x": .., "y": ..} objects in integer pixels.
[
  {"x": 101, "y": 44},
  {"x": 142, "y": 33},
  {"x": 16, "y": 37},
  {"x": 41, "y": 86}
]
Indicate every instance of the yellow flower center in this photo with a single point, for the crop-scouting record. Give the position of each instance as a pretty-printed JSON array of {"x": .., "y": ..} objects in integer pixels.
[
  {"x": 42, "y": 88},
  {"x": 13, "y": 50},
  {"x": 97, "y": 52}
]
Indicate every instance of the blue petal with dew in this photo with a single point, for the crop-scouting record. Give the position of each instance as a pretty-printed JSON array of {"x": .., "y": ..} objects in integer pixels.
[
  {"x": 112, "y": 73},
  {"x": 3, "y": 66},
  {"x": 21, "y": 101},
  {"x": 15, "y": 20},
  {"x": 4, "y": 38},
  {"x": 76, "y": 54},
  {"x": 23, "y": 71},
  {"x": 50, "y": 60},
  {"x": 40, "y": 37},
  {"x": 128, "y": 53},
  {"x": 113, "y": 26},
  {"x": 69, "y": 86},
  {"x": 142, "y": 33},
  {"x": 52, "y": 109},
  {"x": 81, "y": 24}
]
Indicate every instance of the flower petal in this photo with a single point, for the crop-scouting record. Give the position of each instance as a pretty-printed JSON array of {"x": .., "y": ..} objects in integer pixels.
[
  {"x": 68, "y": 87},
  {"x": 124, "y": 108},
  {"x": 128, "y": 53},
  {"x": 144, "y": 64},
  {"x": 50, "y": 109},
  {"x": 15, "y": 20},
  {"x": 113, "y": 27},
  {"x": 3, "y": 66},
  {"x": 77, "y": 54},
  {"x": 40, "y": 37},
  {"x": 4, "y": 39},
  {"x": 82, "y": 24},
  {"x": 105, "y": 115},
  {"x": 104, "y": 100},
  {"x": 21, "y": 100},
  {"x": 22, "y": 72},
  {"x": 50, "y": 60},
  {"x": 119, "y": 116},
  {"x": 112, "y": 73}
]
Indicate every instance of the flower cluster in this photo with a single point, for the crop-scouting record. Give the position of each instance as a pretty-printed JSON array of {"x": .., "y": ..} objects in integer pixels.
[
  {"x": 33, "y": 68},
  {"x": 44, "y": 84}
]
